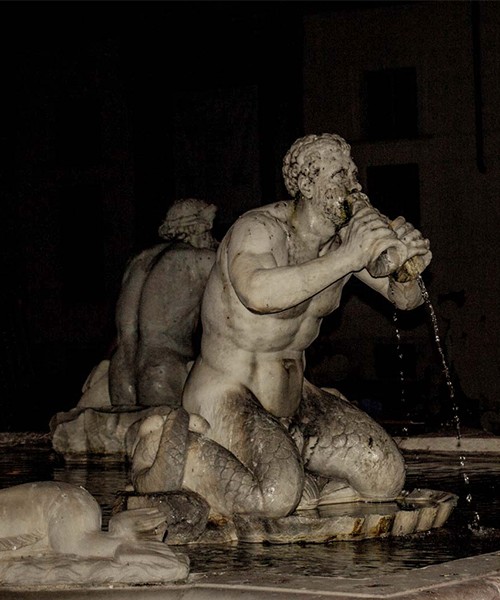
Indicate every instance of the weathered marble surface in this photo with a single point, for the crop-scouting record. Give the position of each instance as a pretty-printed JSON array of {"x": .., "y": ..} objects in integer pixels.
[
  {"x": 94, "y": 426},
  {"x": 419, "y": 511},
  {"x": 157, "y": 319},
  {"x": 257, "y": 429},
  {"x": 157, "y": 312},
  {"x": 50, "y": 533},
  {"x": 81, "y": 433},
  {"x": 253, "y": 438},
  {"x": 185, "y": 513},
  {"x": 416, "y": 512}
]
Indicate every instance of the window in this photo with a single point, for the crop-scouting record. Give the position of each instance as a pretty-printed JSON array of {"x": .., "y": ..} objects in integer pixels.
[
  {"x": 395, "y": 190},
  {"x": 390, "y": 104}
]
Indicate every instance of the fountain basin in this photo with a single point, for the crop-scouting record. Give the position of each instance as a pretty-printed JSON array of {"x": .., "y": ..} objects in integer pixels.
[
  {"x": 475, "y": 578},
  {"x": 443, "y": 564}
]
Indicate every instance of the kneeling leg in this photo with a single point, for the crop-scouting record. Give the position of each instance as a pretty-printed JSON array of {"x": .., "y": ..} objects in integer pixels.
[
  {"x": 248, "y": 465},
  {"x": 344, "y": 444}
]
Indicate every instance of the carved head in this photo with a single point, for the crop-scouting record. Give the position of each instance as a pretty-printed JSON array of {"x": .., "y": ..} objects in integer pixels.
[
  {"x": 306, "y": 156},
  {"x": 189, "y": 220}
]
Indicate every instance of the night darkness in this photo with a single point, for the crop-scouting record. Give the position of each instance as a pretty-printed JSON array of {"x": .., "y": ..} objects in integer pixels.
[
  {"x": 103, "y": 126},
  {"x": 68, "y": 68}
]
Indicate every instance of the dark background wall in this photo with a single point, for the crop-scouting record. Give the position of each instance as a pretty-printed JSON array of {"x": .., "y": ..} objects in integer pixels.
[
  {"x": 414, "y": 87},
  {"x": 111, "y": 110}
]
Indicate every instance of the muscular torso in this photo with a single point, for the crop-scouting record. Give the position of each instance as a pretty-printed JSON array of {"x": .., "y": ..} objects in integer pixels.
[{"x": 262, "y": 352}]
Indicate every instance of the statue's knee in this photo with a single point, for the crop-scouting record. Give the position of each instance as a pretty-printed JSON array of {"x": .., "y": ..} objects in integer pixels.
[
  {"x": 383, "y": 479},
  {"x": 281, "y": 497},
  {"x": 275, "y": 509}
]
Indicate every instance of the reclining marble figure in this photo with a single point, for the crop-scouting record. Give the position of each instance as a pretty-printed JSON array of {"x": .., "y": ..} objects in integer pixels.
[
  {"x": 253, "y": 436},
  {"x": 50, "y": 532}
]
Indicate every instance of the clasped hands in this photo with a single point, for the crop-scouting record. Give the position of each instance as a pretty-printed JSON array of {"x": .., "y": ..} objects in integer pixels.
[{"x": 369, "y": 233}]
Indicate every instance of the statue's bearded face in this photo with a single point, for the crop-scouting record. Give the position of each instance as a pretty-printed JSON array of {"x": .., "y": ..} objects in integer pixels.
[{"x": 336, "y": 178}]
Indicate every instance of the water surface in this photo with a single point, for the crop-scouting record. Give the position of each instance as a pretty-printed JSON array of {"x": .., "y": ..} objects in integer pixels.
[{"x": 476, "y": 480}]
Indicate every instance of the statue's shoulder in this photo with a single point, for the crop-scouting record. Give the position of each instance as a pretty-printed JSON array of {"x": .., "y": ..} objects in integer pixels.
[
  {"x": 181, "y": 254},
  {"x": 272, "y": 215},
  {"x": 140, "y": 264},
  {"x": 145, "y": 255},
  {"x": 191, "y": 254}
]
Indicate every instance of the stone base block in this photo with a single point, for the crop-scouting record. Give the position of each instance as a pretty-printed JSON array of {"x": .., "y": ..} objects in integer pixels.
[{"x": 81, "y": 433}]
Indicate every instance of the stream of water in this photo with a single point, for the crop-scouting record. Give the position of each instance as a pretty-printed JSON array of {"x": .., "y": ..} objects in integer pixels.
[
  {"x": 474, "y": 523},
  {"x": 444, "y": 363}
]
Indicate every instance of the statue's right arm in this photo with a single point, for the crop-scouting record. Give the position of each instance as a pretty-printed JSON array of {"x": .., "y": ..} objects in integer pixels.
[{"x": 260, "y": 275}]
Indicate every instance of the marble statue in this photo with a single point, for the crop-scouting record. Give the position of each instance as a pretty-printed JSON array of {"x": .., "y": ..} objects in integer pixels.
[
  {"x": 253, "y": 436},
  {"x": 158, "y": 309},
  {"x": 158, "y": 320},
  {"x": 50, "y": 533}
]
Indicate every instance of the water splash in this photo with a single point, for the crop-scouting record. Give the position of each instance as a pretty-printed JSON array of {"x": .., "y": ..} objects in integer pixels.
[{"x": 474, "y": 525}]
